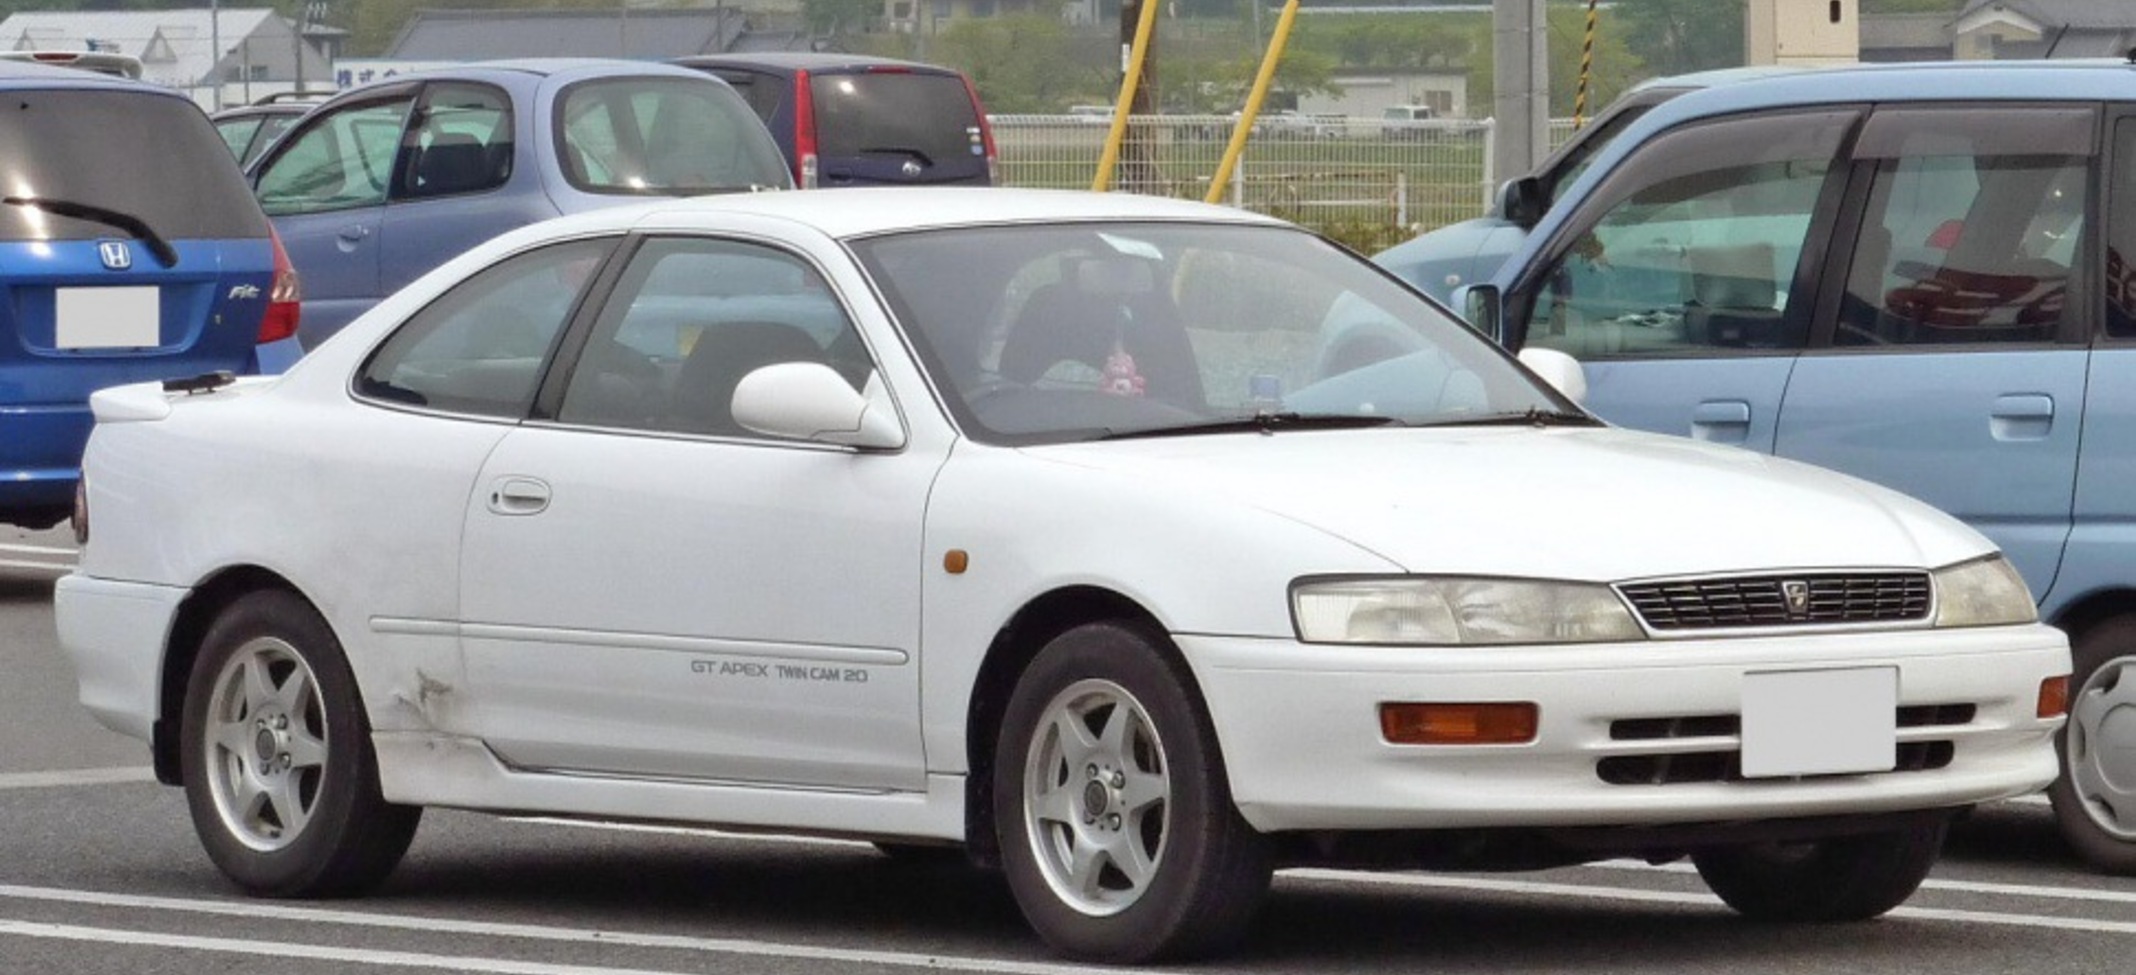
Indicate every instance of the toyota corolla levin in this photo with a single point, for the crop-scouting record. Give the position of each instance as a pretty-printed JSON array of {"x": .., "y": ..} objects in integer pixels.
[{"x": 1028, "y": 523}]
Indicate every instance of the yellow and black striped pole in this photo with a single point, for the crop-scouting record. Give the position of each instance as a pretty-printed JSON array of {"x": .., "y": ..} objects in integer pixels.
[{"x": 1587, "y": 67}]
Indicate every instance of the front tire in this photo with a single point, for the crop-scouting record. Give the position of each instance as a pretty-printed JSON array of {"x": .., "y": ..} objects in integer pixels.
[
  {"x": 1117, "y": 832},
  {"x": 2095, "y": 797},
  {"x": 276, "y": 756},
  {"x": 1847, "y": 878}
]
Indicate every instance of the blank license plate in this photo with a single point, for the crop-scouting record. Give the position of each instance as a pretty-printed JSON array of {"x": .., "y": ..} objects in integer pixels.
[
  {"x": 108, "y": 318},
  {"x": 1820, "y": 722}
]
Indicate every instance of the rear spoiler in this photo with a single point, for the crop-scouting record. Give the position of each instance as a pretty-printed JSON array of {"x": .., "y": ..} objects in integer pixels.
[{"x": 151, "y": 401}]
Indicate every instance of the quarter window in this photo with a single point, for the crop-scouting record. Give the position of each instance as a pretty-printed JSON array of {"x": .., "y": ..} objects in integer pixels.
[
  {"x": 666, "y": 137},
  {"x": 480, "y": 347},
  {"x": 2121, "y": 236},
  {"x": 1971, "y": 229},
  {"x": 688, "y": 319},
  {"x": 341, "y": 161},
  {"x": 1699, "y": 248}
]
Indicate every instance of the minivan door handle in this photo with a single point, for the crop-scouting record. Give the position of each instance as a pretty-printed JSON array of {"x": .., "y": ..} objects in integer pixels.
[
  {"x": 2021, "y": 416},
  {"x": 351, "y": 235},
  {"x": 1721, "y": 421},
  {"x": 518, "y": 496}
]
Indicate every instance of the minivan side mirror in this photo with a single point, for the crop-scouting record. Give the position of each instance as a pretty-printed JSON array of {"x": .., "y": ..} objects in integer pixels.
[
  {"x": 1479, "y": 305},
  {"x": 810, "y": 401},
  {"x": 1522, "y": 201},
  {"x": 1561, "y": 371}
]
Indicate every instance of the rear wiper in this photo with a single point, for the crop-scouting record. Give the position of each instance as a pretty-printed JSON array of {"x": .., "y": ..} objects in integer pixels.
[
  {"x": 134, "y": 225},
  {"x": 1534, "y": 415},
  {"x": 1263, "y": 422},
  {"x": 925, "y": 159}
]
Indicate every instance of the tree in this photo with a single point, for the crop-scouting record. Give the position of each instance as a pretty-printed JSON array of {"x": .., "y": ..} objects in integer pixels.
[
  {"x": 1020, "y": 63},
  {"x": 1677, "y": 36},
  {"x": 838, "y": 16}
]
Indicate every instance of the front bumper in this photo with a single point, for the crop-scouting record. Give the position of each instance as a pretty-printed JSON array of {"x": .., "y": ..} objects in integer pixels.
[{"x": 1300, "y": 729}]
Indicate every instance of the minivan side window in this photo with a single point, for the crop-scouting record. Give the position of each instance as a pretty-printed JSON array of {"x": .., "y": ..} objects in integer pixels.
[
  {"x": 2121, "y": 235},
  {"x": 1696, "y": 246},
  {"x": 341, "y": 161},
  {"x": 479, "y": 348},
  {"x": 1971, "y": 229}
]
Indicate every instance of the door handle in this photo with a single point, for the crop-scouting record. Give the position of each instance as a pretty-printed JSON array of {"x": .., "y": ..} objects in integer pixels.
[
  {"x": 1721, "y": 421},
  {"x": 353, "y": 232},
  {"x": 518, "y": 496},
  {"x": 2021, "y": 416}
]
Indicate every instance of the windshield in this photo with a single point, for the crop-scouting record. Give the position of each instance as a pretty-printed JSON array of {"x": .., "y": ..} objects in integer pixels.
[
  {"x": 665, "y": 137},
  {"x": 1066, "y": 332}
]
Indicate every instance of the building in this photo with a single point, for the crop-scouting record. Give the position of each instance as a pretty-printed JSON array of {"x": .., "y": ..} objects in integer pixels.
[
  {"x": 251, "y": 52},
  {"x": 1365, "y": 93},
  {"x": 1906, "y": 37},
  {"x": 2044, "y": 29}
]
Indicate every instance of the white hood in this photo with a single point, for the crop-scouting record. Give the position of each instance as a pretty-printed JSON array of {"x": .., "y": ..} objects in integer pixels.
[{"x": 1591, "y": 504}]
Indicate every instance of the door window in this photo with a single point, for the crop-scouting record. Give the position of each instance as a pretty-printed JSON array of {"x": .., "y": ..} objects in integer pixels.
[
  {"x": 688, "y": 319},
  {"x": 463, "y": 143},
  {"x": 340, "y": 161},
  {"x": 1971, "y": 227},
  {"x": 479, "y": 348},
  {"x": 664, "y": 136},
  {"x": 2121, "y": 235},
  {"x": 1697, "y": 245}
]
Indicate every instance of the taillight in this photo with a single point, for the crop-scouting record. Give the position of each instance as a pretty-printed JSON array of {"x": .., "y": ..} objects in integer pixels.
[
  {"x": 986, "y": 134},
  {"x": 284, "y": 296},
  {"x": 79, "y": 521},
  {"x": 805, "y": 170}
]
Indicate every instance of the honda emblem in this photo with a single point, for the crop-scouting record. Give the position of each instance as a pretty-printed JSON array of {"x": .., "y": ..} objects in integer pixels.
[{"x": 117, "y": 256}]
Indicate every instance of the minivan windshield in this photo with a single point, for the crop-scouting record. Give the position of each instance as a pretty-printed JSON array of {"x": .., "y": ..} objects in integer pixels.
[
  {"x": 1085, "y": 331},
  {"x": 665, "y": 137},
  {"x": 925, "y": 116},
  {"x": 86, "y": 146}
]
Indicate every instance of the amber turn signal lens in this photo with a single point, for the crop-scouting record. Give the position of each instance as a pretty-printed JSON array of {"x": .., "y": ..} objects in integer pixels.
[
  {"x": 2054, "y": 697},
  {"x": 1503, "y": 723}
]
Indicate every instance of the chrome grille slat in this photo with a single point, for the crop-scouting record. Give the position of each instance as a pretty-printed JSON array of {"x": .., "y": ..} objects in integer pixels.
[{"x": 1756, "y": 601}]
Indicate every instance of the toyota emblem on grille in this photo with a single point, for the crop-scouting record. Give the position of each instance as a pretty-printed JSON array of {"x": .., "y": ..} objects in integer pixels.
[
  {"x": 1797, "y": 594},
  {"x": 910, "y": 168},
  {"x": 116, "y": 255}
]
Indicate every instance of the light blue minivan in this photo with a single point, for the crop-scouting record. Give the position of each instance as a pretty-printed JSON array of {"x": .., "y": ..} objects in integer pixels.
[{"x": 1920, "y": 275}]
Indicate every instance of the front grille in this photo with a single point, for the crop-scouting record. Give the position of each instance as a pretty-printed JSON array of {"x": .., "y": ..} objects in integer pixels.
[{"x": 1780, "y": 600}]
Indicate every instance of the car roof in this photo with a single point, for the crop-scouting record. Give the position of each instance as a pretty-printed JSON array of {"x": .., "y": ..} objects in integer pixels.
[
  {"x": 504, "y": 71},
  {"x": 32, "y": 74},
  {"x": 2036, "y": 81},
  {"x": 863, "y": 211},
  {"x": 808, "y": 61}
]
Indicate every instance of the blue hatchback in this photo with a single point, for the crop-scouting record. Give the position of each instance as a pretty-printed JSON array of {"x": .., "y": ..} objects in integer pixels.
[
  {"x": 118, "y": 266},
  {"x": 1922, "y": 275},
  {"x": 387, "y": 181}
]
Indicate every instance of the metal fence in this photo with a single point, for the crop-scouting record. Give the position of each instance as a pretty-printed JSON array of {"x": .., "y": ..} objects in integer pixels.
[{"x": 1322, "y": 171}]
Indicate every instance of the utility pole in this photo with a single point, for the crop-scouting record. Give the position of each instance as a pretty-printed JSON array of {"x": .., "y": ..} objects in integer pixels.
[{"x": 1520, "y": 70}]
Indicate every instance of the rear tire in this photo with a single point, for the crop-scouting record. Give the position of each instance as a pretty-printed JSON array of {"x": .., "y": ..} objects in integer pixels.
[
  {"x": 1846, "y": 878},
  {"x": 2095, "y": 797},
  {"x": 1117, "y": 832},
  {"x": 275, "y": 752}
]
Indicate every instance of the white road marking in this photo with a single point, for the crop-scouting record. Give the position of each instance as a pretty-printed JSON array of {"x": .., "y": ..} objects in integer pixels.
[
  {"x": 2035, "y": 799},
  {"x": 1960, "y": 886},
  {"x": 257, "y": 910},
  {"x": 278, "y": 949},
  {"x": 41, "y": 566},
  {"x": 79, "y": 776}
]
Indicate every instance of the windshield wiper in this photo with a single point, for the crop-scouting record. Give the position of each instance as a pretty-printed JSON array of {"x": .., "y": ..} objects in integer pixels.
[
  {"x": 1532, "y": 416},
  {"x": 1263, "y": 422},
  {"x": 139, "y": 228},
  {"x": 924, "y": 158}
]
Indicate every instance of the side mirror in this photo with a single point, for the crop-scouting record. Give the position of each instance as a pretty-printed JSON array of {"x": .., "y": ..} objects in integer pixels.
[
  {"x": 1522, "y": 202},
  {"x": 1561, "y": 371},
  {"x": 810, "y": 401},
  {"x": 1479, "y": 305}
]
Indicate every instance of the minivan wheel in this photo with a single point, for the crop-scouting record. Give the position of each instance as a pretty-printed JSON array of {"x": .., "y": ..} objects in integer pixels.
[
  {"x": 2095, "y": 797},
  {"x": 1118, "y": 836},
  {"x": 1846, "y": 878},
  {"x": 276, "y": 756}
]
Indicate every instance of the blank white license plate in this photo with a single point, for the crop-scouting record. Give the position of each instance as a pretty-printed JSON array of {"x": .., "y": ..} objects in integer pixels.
[
  {"x": 108, "y": 318},
  {"x": 1820, "y": 722}
]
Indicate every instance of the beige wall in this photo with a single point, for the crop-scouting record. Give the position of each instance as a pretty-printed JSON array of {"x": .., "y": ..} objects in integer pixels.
[{"x": 1802, "y": 31}]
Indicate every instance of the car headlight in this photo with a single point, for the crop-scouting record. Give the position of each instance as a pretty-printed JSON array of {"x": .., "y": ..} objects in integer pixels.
[
  {"x": 1983, "y": 592},
  {"x": 1445, "y": 611}
]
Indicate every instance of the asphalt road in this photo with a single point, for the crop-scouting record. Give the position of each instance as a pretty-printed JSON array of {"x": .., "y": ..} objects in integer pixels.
[{"x": 100, "y": 873}]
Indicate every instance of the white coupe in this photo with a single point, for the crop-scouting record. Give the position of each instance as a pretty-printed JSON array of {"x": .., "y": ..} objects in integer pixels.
[{"x": 1036, "y": 524}]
